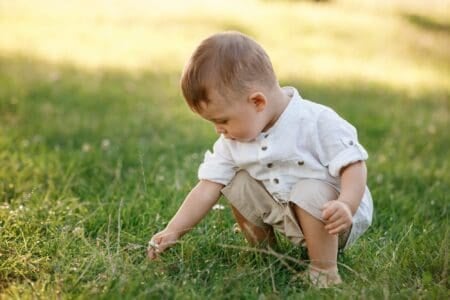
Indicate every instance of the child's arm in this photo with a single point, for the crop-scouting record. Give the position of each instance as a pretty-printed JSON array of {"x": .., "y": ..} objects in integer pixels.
[
  {"x": 338, "y": 213},
  {"x": 196, "y": 205}
]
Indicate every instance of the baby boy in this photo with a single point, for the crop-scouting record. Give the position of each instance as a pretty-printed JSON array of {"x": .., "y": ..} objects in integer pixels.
[{"x": 284, "y": 163}]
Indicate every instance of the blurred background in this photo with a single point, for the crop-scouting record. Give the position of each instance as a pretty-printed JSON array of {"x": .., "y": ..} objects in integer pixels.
[{"x": 403, "y": 44}]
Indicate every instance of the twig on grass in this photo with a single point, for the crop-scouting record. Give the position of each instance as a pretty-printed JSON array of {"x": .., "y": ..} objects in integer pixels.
[
  {"x": 282, "y": 259},
  {"x": 274, "y": 288},
  {"x": 269, "y": 251}
]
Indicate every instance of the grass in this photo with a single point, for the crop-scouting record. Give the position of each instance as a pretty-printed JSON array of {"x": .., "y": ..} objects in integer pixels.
[{"x": 97, "y": 148}]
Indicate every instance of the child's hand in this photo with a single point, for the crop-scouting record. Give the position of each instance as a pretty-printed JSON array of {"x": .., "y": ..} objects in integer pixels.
[
  {"x": 337, "y": 216},
  {"x": 160, "y": 242}
]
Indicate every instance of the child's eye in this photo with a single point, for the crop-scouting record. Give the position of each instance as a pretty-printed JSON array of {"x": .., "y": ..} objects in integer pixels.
[{"x": 223, "y": 122}]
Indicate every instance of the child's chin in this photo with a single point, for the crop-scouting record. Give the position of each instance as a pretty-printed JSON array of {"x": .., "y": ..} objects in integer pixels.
[
  {"x": 240, "y": 140},
  {"x": 232, "y": 139},
  {"x": 247, "y": 140}
]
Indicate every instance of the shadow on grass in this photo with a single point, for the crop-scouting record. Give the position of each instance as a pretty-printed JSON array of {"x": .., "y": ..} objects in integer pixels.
[
  {"x": 67, "y": 107},
  {"x": 428, "y": 23}
]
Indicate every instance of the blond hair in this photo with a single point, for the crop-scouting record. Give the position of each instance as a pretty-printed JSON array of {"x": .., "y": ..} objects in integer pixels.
[{"x": 228, "y": 62}]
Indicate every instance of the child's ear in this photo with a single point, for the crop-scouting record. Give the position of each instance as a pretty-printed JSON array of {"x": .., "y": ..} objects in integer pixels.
[{"x": 258, "y": 100}]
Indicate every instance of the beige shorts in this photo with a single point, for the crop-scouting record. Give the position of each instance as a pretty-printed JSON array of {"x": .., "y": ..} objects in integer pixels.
[{"x": 254, "y": 202}]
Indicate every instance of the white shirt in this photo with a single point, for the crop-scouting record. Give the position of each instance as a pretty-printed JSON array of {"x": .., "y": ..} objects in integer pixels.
[{"x": 308, "y": 140}]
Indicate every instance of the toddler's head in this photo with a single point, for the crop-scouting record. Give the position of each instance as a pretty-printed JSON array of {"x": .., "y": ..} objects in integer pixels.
[
  {"x": 228, "y": 81},
  {"x": 228, "y": 65}
]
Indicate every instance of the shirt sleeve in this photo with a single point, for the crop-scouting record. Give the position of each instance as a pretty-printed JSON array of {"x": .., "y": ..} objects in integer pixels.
[
  {"x": 218, "y": 166},
  {"x": 338, "y": 142}
]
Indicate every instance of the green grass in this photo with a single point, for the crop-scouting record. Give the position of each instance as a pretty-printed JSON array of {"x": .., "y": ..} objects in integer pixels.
[{"x": 97, "y": 152}]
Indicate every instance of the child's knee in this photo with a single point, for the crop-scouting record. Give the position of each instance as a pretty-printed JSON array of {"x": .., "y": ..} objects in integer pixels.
[{"x": 311, "y": 194}]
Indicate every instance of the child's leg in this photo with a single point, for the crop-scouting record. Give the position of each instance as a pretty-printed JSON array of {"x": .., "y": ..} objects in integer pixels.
[
  {"x": 322, "y": 246},
  {"x": 254, "y": 235},
  {"x": 251, "y": 204},
  {"x": 307, "y": 198}
]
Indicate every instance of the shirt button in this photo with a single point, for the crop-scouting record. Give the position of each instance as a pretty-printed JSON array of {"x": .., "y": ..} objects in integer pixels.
[
  {"x": 264, "y": 148},
  {"x": 276, "y": 180},
  {"x": 266, "y": 135},
  {"x": 300, "y": 162},
  {"x": 270, "y": 165},
  {"x": 350, "y": 143}
]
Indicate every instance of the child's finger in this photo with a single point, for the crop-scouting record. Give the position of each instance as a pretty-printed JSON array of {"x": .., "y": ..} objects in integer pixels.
[
  {"x": 338, "y": 229},
  {"x": 154, "y": 248},
  {"x": 328, "y": 212},
  {"x": 151, "y": 254},
  {"x": 325, "y": 205},
  {"x": 334, "y": 218},
  {"x": 337, "y": 226},
  {"x": 333, "y": 225},
  {"x": 157, "y": 240}
]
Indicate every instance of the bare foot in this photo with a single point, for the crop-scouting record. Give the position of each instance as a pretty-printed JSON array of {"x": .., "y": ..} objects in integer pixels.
[{"x": 323, "y": 279}]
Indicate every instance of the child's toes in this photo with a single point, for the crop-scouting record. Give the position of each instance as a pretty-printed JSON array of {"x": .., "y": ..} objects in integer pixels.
[{"x": 323, "y": 278}]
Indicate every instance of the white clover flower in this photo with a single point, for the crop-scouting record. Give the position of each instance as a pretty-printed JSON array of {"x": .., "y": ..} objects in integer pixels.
[
  {"x": 105, "y": 144},
  {"x": 25, "y": 143},
  {"x": 78, "y": 231},
  {"x": 218, "y": 207},
  {"x": 379, "y": 178},
  {"x": 86, "y": 147}
]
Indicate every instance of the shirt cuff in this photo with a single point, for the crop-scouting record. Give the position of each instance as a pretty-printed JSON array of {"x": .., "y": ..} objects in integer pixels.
[
  {"x": 215, "y": 173},
  {"x": 348, "y": 156}
]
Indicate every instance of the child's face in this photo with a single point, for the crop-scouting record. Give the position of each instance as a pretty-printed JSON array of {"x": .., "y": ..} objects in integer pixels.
[{"x": 237, "y": 119}]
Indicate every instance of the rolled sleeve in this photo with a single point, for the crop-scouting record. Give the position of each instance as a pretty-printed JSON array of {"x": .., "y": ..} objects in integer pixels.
[
  {"x": 338, "y": 141},
  {"x": 218, "y": 166}
]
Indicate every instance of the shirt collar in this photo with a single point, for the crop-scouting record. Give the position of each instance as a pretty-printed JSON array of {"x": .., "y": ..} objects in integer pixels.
[{"x": 289, "y": 112}]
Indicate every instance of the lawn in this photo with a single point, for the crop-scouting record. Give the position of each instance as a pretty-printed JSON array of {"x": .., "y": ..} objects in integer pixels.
[{"x": 98, "y": 148}]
